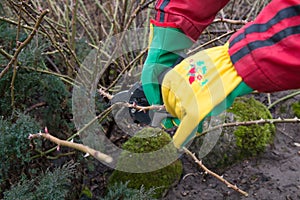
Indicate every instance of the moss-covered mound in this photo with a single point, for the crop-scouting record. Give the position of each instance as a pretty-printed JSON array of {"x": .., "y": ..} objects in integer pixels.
[
  {"x": 150, "y": 141},
  {"x": 240, "y": 142},
  {"x": 296, "y": 108}
]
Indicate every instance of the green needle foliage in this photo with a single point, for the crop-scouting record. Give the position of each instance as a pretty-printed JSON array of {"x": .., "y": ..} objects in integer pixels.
[
  {"x": 122, "y": 191},
  {"x": 15, "y": 147},
  {"x": 47, "y": 186}
]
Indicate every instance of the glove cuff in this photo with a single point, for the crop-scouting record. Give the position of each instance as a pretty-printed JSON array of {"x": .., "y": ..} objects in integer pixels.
[{"x": 166, "y": 45}]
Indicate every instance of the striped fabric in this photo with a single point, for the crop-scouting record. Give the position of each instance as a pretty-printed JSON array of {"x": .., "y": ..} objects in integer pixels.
[{"x": 266, "y": 52}]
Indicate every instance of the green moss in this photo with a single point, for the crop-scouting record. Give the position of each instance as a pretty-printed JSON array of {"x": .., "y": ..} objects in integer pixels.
[
  {"x": 146, "y": 141},
  {"x": 239, "y": 142},
  {"x": 254, "y": 138},
  {"x": 283, "y": 109},
  {"x": 296, "y": 108}
]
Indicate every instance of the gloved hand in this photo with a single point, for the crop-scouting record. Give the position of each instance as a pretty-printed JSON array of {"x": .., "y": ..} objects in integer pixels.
[
  {"x": 200, "y": 84},
  {"x": 165, "y": 47}
]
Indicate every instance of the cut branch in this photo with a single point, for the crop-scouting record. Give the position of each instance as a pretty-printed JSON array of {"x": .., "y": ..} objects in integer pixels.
[
  {"x": 207, "y": 171},
  {"x": 145, "y": 108},
  {"x": 129, "y": 105},
  {"x": 105, "y": 94},
  {"x": 96, "y": 154}
]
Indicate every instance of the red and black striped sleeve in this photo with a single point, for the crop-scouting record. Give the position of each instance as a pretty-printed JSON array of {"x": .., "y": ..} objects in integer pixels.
[
  {"x": 266, "y": 52},
  {"x": 191, "y": 16}
]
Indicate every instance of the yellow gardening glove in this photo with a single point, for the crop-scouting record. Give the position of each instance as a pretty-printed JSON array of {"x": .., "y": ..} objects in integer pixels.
[{"x": 198, "y": 85}]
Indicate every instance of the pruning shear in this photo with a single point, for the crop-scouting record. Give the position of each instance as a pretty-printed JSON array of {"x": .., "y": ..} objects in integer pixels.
[{"x": 136, "y": 96}]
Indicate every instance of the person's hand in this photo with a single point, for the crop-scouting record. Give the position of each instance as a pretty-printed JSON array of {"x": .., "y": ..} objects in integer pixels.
[
  {"x": 200, "y": 84},
  {"x": 165, "y": 47}
]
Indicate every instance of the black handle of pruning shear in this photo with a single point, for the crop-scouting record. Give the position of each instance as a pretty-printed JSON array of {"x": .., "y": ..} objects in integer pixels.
[{"x": 135, "y": 95}]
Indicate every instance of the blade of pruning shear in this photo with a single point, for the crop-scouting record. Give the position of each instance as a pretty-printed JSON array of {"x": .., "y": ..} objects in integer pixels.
[
  {"x": 136, "y": 95},
  {"x": 124, "y": 96}
]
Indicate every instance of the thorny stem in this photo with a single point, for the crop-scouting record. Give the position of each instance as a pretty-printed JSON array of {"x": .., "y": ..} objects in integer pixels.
[
  {"x": 96, "y": 154},
  {"x": 105, "y": 94},
  {"x": 207, "y": 171},
  {"x": 129, "y": 105},
  {"x": 248, "y": 123},
  {"x": 100, "y": 117},
  {"x": 144, "y": 108}
]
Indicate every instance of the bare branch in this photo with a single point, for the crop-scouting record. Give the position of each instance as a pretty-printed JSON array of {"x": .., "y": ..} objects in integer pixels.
[
  {"x": 248, "y": 123},
  {"x": 207, "y": 171},
  {"x": 129, "y": 105},
  {"x": 145, "y": 108},
  {"x": 231, "y": 21},
  {"x": 105, "y": 94},
  {"x": 96, "y": 154},
  {"x": 209, "y": 42}
]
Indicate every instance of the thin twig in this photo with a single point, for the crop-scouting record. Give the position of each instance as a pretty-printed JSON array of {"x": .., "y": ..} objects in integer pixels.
[
  {"x": 15, "y": 63},
  {"x": 209, "y": 42},
  {"x": 37, "y": 105},
  {"x": 5, "y": 19},
  {"x": 207, "y": 171},
  {"x": 96, "y": 154},
  {"x": 284, "y": 98},
  {"x": 248, "y": 123},
  {"x": 74, "y": 22},
  {"x": 5, "y": 54},
  {"x": 134, "y": 14},
  {"x": 56, "y": 44},
  {"x": 230, "y": 21},
  {"x": 126, "y": 68}
]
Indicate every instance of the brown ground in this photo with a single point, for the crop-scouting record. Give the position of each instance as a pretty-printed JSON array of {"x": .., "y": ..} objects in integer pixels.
[{"x": 273, "y": 175}]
